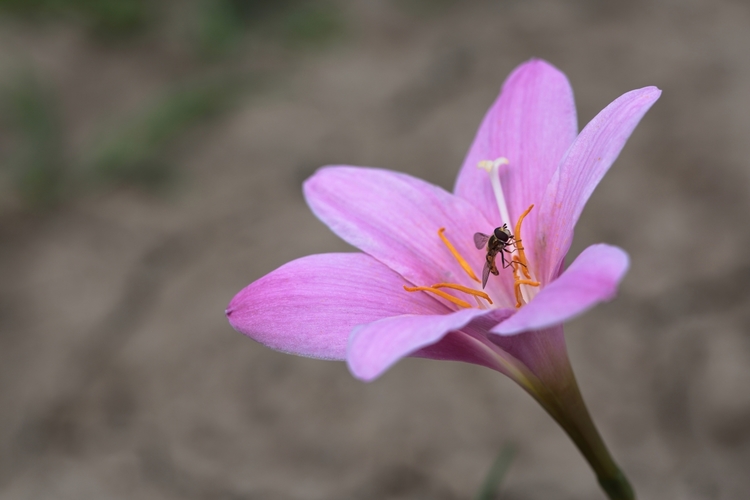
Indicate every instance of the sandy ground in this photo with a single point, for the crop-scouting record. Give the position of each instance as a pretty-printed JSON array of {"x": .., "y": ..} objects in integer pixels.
[{"x": 120, "y": 377}]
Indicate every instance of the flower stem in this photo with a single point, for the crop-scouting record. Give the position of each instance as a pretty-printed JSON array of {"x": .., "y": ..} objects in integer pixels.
[
  {"x": 574, "y": 418},
  {"x": 540, "y": 365},
  {"x": 562, "y": 399}
]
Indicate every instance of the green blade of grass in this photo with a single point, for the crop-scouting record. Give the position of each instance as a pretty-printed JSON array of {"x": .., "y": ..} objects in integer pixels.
[{"x": 494, "y": 479}]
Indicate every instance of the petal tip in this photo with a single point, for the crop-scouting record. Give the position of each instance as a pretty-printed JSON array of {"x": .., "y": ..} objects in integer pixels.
[
  {"x": 537, "y": 62},
  {"x": 362, "y": 371},
  {"x": 654, "y": 91},
  {"x": 235, "y": 305},
  {"x": 231, "y": 314},
  {"x": 650, "y": 93},
  {"x": 535, "y": 67}
]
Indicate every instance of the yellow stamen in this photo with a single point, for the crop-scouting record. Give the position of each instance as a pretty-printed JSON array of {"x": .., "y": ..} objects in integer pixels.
[
  {"x": 439, "y": 293},
  {"x": 461, "y": 261},
  {"x": 464, "y": 289},
  {"x": 477, "y": 294},
  {"x": 520, "y": 263}
]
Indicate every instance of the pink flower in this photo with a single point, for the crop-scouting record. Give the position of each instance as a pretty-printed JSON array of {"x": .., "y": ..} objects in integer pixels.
[
  {"x": 415, "y": 291},
  {"x": 354, "y": 306}
]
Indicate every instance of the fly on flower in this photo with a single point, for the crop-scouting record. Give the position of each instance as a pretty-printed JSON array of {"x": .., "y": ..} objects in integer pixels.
[{"x": 497, "y": 243}]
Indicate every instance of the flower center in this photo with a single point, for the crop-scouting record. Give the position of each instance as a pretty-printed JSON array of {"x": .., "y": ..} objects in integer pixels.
[
  {"x": 524, "y": 283},
  {"x": 522, "y": 274}
]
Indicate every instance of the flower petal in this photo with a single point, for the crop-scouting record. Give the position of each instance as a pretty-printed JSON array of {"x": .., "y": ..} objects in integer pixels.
[
  {"x": 532, "y": 124},
  {"x": 592, "y": 278},
  {"x": 309, "y": 306},
  {"x": 584, "y": 165},
  {"x": 375, "y": 347},
  {"x": 395, "y": 218}
]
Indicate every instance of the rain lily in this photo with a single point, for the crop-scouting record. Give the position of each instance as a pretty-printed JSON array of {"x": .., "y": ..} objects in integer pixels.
[{"x": 415, "y": 290}]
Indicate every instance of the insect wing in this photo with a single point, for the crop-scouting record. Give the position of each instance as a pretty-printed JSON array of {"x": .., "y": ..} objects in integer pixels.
[
  {"x": 480, "y": 240},
  {"x": 485, "y": 273}
]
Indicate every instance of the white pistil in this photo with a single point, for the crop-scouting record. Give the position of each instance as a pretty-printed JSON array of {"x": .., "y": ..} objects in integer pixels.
[{"x": 493, "y": 169}]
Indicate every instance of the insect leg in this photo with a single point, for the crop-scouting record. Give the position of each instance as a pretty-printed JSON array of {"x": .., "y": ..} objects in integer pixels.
[{"x": 508, "y": 263}]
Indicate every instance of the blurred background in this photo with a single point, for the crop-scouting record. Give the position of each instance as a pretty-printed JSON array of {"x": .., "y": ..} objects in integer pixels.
[{"x": 151, "y": 161}]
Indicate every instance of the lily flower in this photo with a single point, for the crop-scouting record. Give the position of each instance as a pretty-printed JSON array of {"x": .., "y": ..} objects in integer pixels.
[{"x": 415, "y": 288}]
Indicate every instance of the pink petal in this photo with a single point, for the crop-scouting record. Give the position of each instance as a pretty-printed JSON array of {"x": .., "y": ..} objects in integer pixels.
[
  {"x": 532, "y": 124},
  {"x": 375, "y": 347},
  {"x": 309, "y": 306},
  {"x": 584, "y": 165},
  {"x": 592, "y": 278},
  {"x": 395, "y": 218}
]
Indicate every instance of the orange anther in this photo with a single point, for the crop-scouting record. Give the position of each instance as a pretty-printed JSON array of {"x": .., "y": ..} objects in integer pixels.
[
  {"x": 461, "y": 261},
  {"x": 439, "y": 293},
  {"x": 464, "y": 289}
]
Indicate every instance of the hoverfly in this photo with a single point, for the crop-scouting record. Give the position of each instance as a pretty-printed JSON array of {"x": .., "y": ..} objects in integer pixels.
[{"x": 497, "y": 243}]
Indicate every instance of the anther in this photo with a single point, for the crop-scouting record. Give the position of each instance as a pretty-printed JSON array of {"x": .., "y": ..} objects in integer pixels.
[
  {"x": 439, "y": 293},
  {"x": 461, "y": 261},
  {"x": 465, "y": 289}
]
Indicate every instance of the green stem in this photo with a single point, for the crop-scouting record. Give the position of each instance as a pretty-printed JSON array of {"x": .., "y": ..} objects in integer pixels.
[
  {"x": 561, "y": 398},
  {"x": 552, "y": 383},
  {"x": 575, "y": 419}
]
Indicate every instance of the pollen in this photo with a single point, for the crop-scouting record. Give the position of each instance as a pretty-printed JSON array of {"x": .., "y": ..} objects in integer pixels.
[{"x": 521, "y": 273}]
